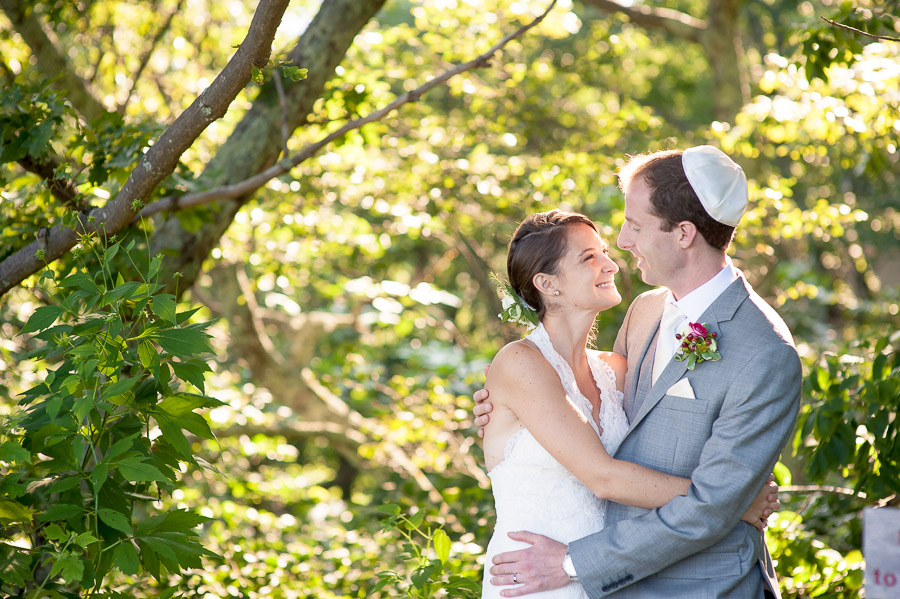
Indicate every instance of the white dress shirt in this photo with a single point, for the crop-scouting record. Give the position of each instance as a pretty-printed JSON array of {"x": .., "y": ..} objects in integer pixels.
[{"x": 692, "y": 306}]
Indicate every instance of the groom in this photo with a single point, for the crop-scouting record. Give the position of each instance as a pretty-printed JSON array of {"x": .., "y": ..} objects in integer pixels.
[{"x": 722, "y": 423}]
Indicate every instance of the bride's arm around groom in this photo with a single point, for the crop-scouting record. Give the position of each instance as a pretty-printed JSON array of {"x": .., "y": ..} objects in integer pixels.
[{"x": 725, "y": 432}]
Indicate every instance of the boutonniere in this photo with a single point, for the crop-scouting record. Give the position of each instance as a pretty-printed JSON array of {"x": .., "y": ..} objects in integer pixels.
[{"x": 697, "y": 345}]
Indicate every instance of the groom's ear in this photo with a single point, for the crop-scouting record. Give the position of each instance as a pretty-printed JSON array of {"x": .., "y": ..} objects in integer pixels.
[{"x": 687, "y": 234}]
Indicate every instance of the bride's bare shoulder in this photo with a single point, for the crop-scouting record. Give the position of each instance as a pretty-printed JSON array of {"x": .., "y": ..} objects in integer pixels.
[{"x": 520, "y": 359}]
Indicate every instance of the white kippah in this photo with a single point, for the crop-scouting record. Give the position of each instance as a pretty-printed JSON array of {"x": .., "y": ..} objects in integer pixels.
[{"x": 718, "y": 181}]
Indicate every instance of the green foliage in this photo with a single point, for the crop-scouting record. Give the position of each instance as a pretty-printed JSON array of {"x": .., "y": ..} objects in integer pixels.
[
  {"x": 368, "y": 266},
  {"x": 102, "y": 437},
  {"x": 854, "y": 401},
  {"x": 425, "y": 567},
  {"x": 30, "y": 117},
  {"x": 806, "y": 566},
  {"x": 825, "y": 44}
]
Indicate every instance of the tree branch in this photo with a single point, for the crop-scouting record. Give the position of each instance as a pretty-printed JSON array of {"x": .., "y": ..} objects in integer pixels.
[
  {"x": 677, "y": 23},
  {"x": 63, "y": 190},
  {"x": 861, "y": 32},
  {"x": 161, "y": 159},
  {"x": 242, "y": 188},
  {"x": 822, "y": 489},
  {"x": 50, "y": 60}
]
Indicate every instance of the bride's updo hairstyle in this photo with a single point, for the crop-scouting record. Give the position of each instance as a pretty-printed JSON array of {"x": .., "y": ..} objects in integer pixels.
[{"x": 537, "y": 246}]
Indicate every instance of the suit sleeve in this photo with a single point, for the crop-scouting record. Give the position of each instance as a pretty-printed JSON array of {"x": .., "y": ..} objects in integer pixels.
[{"x": 756, "y": 418}]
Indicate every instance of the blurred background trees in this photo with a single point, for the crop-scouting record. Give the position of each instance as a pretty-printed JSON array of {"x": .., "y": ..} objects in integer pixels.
[{"x": 351, "y": 298}]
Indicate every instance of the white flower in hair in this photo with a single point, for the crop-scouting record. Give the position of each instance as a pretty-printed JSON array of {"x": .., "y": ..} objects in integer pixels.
[{"x": 515, "y": 309}]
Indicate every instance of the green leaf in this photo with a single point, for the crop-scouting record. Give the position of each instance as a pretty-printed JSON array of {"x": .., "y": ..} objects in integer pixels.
[
  {"x": 64, "y": 484},
  {"x": 163, "y": 305},
  {"x": 99, "y": 475},
  {"x": 118, "y": 388},
  {"x": 16, "y": 565},
  {"x": 114, "y": 519},
  {"x": 121, "y": 446},
  {"x": 295, "y": 73},
  {"x": 782, "y": 474},
  {"x": 82, "y": 281},
  {"x": 69, "y": 568},
  {"x": 191, "y": 372},
  {"x": 256, "y": 75},
  {"x": 85, "y": 539},
  {"x": 55, "y": 533},
  {"x": 147, "y": 354},
  {"x": 126, "y": 290},
  {"x": 172, "y": 434},
  {"x": 37, "y": 138},
  {"x": 416, "y": 519},
  {"x": 126, "y": 558},
  {"x": 11, "y": 512},
  {"x": 391, "y": 509},
  {"x": 186, "y": 342},
  {"x": 174, "y": 521},
  {"x": 442, "y": 545},
  {"x": 41, "y": 318},
  {"x": 111, "y": 252},
  {"x": 62, "y": 511},
  {"x": 138, "y": 470},
  {"x": 13, "y": 452}
]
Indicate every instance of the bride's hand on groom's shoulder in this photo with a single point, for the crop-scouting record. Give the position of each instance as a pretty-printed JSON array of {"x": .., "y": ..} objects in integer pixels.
[{"x": 482, "y": 408}]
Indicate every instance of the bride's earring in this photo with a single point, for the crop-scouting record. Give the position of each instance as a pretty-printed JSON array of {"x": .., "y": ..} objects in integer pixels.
[{"x": 556, "y": 292}]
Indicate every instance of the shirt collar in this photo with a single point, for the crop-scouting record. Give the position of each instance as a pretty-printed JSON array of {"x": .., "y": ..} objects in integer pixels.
[{"x": 695, "y": 303}]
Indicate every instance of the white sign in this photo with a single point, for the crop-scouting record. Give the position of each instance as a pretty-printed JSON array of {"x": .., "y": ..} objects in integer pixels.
[{"x": 881, "y": 548}]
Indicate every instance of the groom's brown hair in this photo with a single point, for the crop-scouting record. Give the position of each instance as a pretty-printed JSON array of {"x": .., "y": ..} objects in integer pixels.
[{"x": 671, "y": 196}]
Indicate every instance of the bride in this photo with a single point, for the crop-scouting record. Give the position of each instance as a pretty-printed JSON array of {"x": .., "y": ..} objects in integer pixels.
[{"x": 559, "y": 266}]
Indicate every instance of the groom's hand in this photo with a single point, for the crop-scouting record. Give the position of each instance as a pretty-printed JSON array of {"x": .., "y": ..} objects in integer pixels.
[
  {"x": 482, "y": 407},
  {"x": 538, "y": 568}
]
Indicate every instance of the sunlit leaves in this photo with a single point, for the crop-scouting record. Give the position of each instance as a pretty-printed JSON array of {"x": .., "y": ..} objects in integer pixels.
[{"x": 83, "y": 452}]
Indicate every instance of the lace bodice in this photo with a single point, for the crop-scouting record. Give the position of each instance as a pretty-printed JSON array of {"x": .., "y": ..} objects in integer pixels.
[{"x": 534, "y": 492}]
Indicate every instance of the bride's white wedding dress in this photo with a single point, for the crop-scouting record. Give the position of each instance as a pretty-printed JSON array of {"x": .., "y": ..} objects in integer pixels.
[{"x": 533, "y": 492}]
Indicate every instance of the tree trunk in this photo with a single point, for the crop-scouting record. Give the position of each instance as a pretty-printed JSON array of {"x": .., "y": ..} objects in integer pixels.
[{"x": 722, "y": 42}]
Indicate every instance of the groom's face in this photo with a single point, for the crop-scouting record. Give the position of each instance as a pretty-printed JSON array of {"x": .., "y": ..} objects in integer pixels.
[{"x": 657, "y": 251}]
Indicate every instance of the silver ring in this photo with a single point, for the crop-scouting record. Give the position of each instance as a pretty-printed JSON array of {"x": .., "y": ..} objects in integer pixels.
[{"x": 516, "y": 578}]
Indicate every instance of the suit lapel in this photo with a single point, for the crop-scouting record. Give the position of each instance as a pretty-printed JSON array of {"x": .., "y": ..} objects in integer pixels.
[
  {"x": 644, "y": 374},
  {"x": 721, "y": 310}
]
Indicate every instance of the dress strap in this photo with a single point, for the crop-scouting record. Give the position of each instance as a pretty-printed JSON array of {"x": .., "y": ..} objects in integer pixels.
[{"x": 576, "y": 398}]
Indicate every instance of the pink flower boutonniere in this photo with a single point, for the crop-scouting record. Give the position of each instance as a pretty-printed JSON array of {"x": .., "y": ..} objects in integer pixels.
[{"x": 697, "y": 345}]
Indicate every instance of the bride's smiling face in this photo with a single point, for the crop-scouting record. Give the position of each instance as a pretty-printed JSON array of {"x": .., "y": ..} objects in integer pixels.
[{"x": 586, "y": 274}]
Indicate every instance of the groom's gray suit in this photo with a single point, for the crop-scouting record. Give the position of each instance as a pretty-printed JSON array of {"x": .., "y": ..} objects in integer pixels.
[{"x": 726, "y": 440}]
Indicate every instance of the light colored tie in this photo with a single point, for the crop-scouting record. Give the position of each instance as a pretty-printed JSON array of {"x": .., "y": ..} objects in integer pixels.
[{"x": 665, "y": 345}]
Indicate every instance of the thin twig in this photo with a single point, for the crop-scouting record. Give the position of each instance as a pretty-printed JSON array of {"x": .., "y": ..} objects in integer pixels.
[
  {"x": 822, "y": 489},
  {"x": 861, "y": 32},
  {"x": 285, "y": 165},
  {"x": 253, "y": 306},
  {"x": 361, "y": 423},
  {"x": 285, "y": 134},
  {"x": 145, "y": 59}
]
